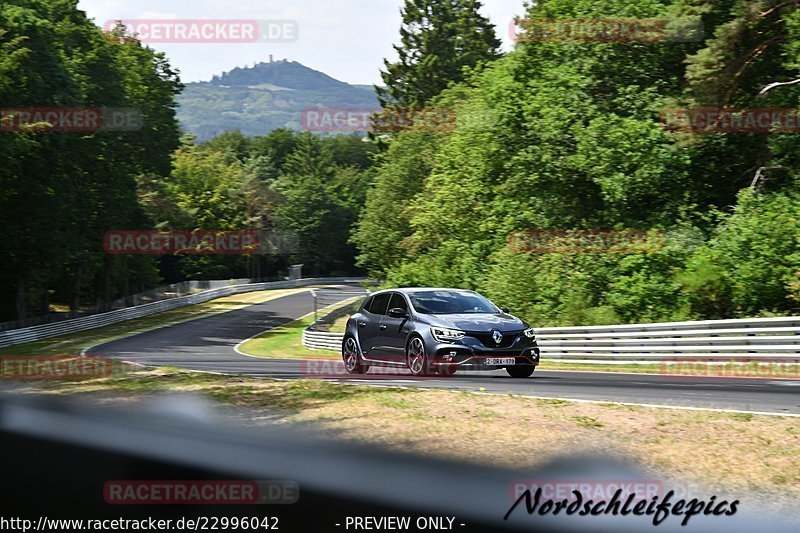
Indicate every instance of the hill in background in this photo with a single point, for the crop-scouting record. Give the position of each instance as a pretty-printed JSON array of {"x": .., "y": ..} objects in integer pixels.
[{"x": 265, "y": 97}]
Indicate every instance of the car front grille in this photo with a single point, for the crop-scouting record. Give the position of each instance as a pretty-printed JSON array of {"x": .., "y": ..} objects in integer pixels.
[{"x": 487, "y": 340}]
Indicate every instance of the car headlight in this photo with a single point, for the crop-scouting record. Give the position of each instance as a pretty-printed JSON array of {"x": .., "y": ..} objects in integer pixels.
[
  {"x": 444, "y": 334},
  {"x": 530, "y": 333}
]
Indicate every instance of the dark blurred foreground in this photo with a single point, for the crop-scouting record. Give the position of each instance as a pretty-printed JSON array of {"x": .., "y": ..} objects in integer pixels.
[{"x": 60, "y": 455}]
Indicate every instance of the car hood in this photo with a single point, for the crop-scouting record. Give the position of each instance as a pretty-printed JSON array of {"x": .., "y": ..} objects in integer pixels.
[{"x": 476, "y": 322}]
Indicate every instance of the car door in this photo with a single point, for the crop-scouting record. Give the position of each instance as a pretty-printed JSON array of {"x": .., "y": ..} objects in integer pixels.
[
  {"x": 369, "y": 323},
  {"x": 394, "y": 331}
]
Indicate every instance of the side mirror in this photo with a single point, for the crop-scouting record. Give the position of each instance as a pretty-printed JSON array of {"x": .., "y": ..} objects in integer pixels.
[
  {"x": 504, "y": 309},
  {"x": 397, "y": 312}
]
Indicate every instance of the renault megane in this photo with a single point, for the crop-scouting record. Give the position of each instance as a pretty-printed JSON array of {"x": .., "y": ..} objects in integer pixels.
[{"x": 437, "y": 331}]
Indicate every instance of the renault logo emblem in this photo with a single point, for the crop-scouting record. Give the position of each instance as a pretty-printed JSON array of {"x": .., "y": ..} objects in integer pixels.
[{"x": 497, "y": 336}]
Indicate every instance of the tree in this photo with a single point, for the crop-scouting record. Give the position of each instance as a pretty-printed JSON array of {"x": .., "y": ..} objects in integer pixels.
[
  {"x": 63, "y": 190},
  {"x": 577, "y": 143},
  {"x": 439, "y": 39},
  {"x": 384, "y": 222},
  {"x": 311, "y": 209},
  {"x": 752, "y": 262}
]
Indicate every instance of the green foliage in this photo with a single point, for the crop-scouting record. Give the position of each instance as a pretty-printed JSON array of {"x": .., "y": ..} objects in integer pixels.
[
  {"x": 553, "y": 136},
  {"x": 319, "y": 205},
  {"x": 575, "y": 142},
  {"x": 439, "y": 41},
  {"x": 751, "y": 264},
  {"x": 385, "y": 220},
  {"x": 301, "y": 191},
  {"x": 62, "y": 191}
]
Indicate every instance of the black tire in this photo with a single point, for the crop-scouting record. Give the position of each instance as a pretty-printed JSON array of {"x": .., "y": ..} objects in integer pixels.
[
  {"x": 351, "y": 359},
  {"x": 520, "y": 371},
  {"x": 416, "y": 358}
]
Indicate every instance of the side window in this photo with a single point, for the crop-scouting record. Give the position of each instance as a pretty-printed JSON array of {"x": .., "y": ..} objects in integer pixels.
[
  {"x": 367, "y": 303},
  {"x": 398, "y": 301},
  {"x": 379, "y": 304}
]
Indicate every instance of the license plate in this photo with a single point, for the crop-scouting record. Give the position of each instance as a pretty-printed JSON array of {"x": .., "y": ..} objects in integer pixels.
[{"x": 503, "y": 362}]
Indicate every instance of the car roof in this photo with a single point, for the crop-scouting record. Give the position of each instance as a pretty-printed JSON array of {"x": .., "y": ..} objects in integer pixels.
[{"x": 406, "y": 290}]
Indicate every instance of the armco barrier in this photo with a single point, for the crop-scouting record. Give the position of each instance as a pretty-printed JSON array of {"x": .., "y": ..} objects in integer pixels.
[
  {"x": 774, "y": 339},
  {"x": 35, "y": 333},
  {"x": 322, "y": 340}
]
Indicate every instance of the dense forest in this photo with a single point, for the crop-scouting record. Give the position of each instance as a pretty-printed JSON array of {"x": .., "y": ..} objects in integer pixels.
[
  {"x": 62, "y": 191},
  {"x": 569, "y": 136},
  {"x": 577, "y": 142}
]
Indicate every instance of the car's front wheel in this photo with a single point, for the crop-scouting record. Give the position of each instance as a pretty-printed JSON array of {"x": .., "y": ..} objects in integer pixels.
[
  {"x": 352, "y": 362},
  {"x": 520, "y": 371},
  {"x": 416, "y": 359}
]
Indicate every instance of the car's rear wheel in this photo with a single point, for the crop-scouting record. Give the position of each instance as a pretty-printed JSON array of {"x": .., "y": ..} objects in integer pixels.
[
  {"x": 416, "y": 359},
  {"x": 352, "y": 362},
  {"x": 520, "y": 371}
]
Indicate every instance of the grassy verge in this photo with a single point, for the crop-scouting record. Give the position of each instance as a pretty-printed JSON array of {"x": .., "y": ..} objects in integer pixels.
[
  {"x": 286, "y": 341},
  {"x": 600, "y": 367},
  {"x": 725, "y": 451},
  {"x": 74, "y": 343}
]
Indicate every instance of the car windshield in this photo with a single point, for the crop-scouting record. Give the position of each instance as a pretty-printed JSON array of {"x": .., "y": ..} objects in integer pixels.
[{"x": 451, "y": 302}]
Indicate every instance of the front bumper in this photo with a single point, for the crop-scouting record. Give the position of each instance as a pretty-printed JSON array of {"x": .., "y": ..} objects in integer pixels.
[{"x": 470, "y": 356}]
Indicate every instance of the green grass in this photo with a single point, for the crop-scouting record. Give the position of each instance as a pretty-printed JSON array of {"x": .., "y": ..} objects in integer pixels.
[
  {"x": 286, "y": 341},
  {"x": 750, "y": 370},
  {"x": 600, "y": 367}
]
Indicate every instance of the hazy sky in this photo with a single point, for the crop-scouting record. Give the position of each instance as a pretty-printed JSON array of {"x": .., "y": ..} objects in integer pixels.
[{"x": 346, "y": 39}]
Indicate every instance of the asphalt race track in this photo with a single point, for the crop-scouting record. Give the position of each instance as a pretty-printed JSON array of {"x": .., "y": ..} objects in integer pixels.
[{"x": 207, "y": 344}]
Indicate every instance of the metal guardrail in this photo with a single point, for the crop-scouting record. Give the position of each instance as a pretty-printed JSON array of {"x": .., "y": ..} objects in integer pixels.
[
  {"x": 340, "y": 300},
  {"x": 773, "y": 339},
  {"x": 322, "y": 340},
  {"x": 35, "y": 333}
]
